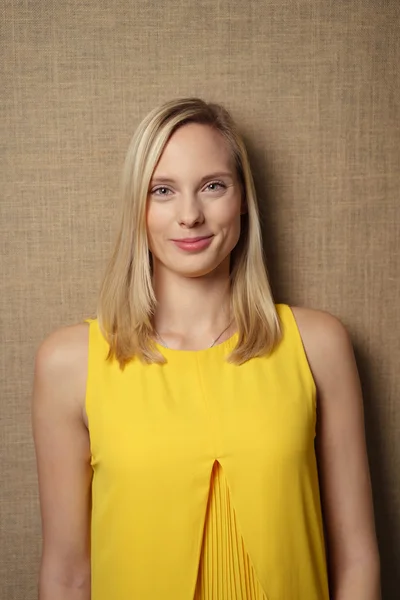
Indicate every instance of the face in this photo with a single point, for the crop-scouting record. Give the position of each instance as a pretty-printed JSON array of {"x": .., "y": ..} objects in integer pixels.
[{"x": 194, "y": 204}]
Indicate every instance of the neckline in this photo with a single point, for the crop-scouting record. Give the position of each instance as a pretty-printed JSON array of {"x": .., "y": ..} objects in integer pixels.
[{"x": 229, "y": 342}]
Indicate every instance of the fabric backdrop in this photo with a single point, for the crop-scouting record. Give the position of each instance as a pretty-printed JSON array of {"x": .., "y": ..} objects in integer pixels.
[{"x": 314, "y": 85}]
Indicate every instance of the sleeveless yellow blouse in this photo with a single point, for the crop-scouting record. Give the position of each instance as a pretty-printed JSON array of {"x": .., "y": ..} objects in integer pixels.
[{"x": 205, "y": 481}]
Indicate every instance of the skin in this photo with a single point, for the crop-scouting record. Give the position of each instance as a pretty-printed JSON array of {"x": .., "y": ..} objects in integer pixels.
[
  {"x": 194, "y": 307},
  {"x": 194, "y": 192}
]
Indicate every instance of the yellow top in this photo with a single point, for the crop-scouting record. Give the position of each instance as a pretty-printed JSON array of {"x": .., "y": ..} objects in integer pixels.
[{"x": 205, "y": 483}]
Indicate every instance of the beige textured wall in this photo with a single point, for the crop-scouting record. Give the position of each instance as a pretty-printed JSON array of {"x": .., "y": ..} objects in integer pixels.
[{"x": 315, "y": 86}]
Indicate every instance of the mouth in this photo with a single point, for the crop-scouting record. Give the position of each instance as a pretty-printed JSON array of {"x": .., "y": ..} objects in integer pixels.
[{"x": 193, "y": 244}]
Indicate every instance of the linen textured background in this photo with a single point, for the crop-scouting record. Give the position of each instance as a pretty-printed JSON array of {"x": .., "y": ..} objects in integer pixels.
[{"x": 314, "y": 86}]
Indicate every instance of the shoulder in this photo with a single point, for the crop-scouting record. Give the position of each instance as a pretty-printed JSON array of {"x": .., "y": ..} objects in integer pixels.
[
  {"x": 63, "y": 349},
  {"x": 61, "y": 364},
  {"x": 320, "y": 327},
  {"x": 326, "y": 342}
]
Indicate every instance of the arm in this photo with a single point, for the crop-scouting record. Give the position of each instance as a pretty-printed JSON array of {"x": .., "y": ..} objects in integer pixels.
[
  {"x": 63, "y": 461},
  {"x": 342, "y": 458}
]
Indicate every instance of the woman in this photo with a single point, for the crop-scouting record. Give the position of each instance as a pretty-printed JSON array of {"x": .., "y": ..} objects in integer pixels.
[{"x": 176, "y": 434}]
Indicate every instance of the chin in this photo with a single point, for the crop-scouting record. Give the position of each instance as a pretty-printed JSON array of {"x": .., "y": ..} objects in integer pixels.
[
  {"x": 200, "y": 267},
  {"x": 192, "y": 265},
  {"x": 194, "y": 273}
]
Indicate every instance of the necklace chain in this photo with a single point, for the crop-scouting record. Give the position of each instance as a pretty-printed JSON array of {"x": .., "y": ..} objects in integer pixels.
[{"x": 211, "y": 345}]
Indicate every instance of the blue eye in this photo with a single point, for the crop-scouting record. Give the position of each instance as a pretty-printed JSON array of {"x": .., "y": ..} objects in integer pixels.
[
  {"x": 161, "y": 191},
  {"x": 217, "y": 185}
]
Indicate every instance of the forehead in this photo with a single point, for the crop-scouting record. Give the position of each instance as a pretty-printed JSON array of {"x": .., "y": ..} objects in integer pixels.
[{"x": 195, "y": 148}]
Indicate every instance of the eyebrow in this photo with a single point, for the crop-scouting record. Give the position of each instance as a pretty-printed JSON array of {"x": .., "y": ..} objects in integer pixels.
[{"x": 160, "y": 179}]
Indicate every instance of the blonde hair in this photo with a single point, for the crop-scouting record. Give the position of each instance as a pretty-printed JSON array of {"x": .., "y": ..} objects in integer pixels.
[{"x": 127, "y": 301}]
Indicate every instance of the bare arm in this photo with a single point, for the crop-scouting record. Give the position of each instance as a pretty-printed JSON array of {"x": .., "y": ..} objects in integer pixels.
[
  {"x": 342, "y": 459},
  {"x": 63, "y": 461}
]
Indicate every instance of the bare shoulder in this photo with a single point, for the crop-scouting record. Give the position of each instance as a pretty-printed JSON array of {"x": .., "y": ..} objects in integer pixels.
[
  {"x": 320, "y": 327},
  {"x": 326, "y": 341},
  {"x": 63, "y": 346},
  {"x": 64, "y": 352},
  {"x": 61, "y": 365}
]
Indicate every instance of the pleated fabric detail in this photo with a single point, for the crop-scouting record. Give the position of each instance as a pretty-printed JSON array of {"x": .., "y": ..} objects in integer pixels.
[{"x": 225, "y": 570}]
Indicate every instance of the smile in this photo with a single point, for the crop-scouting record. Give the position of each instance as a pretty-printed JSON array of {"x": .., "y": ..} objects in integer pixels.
[{"x": 193, "y": 244}]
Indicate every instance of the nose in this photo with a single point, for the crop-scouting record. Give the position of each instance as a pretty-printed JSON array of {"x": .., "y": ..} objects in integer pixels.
[{"x": 190, "y": 211}]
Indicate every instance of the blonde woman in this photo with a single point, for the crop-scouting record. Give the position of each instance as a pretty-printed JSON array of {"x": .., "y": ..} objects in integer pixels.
[{"x": 197, "y": 440}]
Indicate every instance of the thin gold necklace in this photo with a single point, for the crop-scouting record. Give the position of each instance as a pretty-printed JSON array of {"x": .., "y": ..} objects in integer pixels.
[{"x": 213, "y": 343}]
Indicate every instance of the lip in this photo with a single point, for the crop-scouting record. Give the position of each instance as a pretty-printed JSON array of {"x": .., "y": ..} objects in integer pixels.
[{"x": 193, "y": 244}]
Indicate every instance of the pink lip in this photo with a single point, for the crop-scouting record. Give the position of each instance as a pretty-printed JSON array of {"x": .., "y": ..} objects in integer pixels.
[{"x": 193, "y": 244}]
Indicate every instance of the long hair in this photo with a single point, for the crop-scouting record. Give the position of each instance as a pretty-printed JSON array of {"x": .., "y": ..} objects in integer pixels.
[{"x": 127, "y": 300}]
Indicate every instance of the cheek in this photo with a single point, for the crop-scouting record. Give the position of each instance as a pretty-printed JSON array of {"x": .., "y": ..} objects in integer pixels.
[
  {"x": 152, "y": 228},
  {"x": 229, "y": 215},
  {"x": 155, "y": 221}
]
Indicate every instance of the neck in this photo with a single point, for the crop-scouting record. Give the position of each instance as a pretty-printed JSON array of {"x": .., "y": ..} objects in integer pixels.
[{"x": 191, "y": 308}]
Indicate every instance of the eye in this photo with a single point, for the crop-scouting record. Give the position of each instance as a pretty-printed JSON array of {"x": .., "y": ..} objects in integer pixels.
[
  {"x": 162, "y": 190},
  {"x": 215, "y": 186}
]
